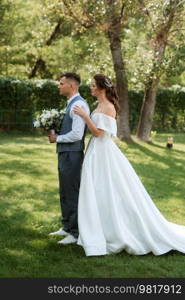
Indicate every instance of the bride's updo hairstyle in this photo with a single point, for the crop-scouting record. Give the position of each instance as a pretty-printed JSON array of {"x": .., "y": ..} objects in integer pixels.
[{"x": 103, "y": 82}]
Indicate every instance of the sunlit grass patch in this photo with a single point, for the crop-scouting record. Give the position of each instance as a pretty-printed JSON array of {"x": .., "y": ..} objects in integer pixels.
[{"x": 30, "y": 210}]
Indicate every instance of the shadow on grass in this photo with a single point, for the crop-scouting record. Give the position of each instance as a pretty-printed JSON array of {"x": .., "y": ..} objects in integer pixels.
[
  {"x": 168, "y": 151},
  {"x": 27, "y": 250},
  {"x": 17, "y": 168},
  {"x": 178, "y": 138},
  {"x": 169, "y": 159},
  {"x": 159, "y": 176},
  {"x": 26, "y": 140},
  {"x": 23, "y": 138}
]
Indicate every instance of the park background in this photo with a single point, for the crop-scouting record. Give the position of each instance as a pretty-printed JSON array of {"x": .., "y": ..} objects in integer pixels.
[{"x": 140, "y": 45}]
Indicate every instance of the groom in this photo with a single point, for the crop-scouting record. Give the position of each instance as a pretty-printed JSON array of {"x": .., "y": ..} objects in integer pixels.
[{"x": 70, "y": 146}]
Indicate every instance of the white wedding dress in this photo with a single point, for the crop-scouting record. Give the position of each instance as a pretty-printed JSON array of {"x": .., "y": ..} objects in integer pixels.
[{"x": 115, "y": 211}]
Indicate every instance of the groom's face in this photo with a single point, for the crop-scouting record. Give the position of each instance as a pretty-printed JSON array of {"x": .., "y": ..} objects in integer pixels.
[{"x": 64, "y": 86}]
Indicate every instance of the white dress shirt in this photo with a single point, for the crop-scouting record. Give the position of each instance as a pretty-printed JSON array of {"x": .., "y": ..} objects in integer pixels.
[{"x": 78, "y": 123}]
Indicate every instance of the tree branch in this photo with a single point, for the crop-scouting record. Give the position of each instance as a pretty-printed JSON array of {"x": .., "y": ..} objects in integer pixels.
[
  {"x": 40, "y": 64},
  {"x": 122, "y": 10},
  {"x": 174, "y": 30},
  {"x": 181, "y": 2},
  {"x": 66, "y": 3},
  {"x": 54, "y": 34},
  {"x": 146, "y": 11}
]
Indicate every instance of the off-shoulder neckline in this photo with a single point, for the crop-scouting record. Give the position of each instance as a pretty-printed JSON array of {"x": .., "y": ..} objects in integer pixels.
[{"x": 93, "y": 113}]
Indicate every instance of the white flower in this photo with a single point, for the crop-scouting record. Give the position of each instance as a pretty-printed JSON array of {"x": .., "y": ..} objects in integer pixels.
[
  {"x": 54, "y": 113},
  {"x": 36, "y": 124},
  {"x": 43, "y": 121},
  {"x": 63, "y": 111},
  {"x": 49, "y": 119}
]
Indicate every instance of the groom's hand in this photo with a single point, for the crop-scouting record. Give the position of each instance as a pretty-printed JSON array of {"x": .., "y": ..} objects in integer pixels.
[{"x": 52, "y": 138}]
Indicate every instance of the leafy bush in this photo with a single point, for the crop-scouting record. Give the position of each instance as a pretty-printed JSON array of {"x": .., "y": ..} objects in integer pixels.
[
  {"x": 33, "y": 96},
  {"x": 15, "y": 94}
]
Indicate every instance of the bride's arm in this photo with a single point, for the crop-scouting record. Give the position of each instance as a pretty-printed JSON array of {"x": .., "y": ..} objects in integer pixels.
[{"x": 92, "y": 127}]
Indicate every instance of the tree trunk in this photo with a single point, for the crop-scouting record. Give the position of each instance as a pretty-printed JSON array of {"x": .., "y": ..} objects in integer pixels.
[
  {"x": 114, "y": 29},
  {"x": 149, "y": 100},
  {"x": 122, "y": 87},
  {"x": 147, "y": 113}
]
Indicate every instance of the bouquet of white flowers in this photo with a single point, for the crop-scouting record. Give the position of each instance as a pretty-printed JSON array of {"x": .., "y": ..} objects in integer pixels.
[{"x": 49, "y": 119}]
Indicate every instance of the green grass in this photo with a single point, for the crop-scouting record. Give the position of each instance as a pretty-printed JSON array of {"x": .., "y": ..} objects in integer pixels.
[{"x": 29, "y": 210}]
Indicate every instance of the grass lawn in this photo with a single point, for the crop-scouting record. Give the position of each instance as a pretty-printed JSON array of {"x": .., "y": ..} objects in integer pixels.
[{"x": 29, "y": 210}]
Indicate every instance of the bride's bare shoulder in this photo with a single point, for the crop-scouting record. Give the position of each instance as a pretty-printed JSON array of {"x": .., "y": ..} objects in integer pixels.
[{"x": 109, "y": 110}]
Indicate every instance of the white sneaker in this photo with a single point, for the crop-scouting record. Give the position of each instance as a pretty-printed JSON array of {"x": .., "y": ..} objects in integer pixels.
[
  {"x": 68, "y": 240},
  {"x": 59, "y": 232}
]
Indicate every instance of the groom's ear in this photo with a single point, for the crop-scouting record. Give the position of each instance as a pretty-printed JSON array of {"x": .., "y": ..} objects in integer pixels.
[{"x": 73, "y": 84}]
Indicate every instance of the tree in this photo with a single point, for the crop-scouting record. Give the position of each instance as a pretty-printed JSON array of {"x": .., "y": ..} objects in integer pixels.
[
  {"x": 107, "y": 16},
  {"x": 115, "y": 15},
  {"x": 133, "y": 42},
  {"x": 163, "y": 17},
  {"x": 6, "y": 28}
]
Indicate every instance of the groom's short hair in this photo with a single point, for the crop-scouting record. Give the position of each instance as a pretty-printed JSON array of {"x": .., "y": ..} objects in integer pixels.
[{"x": 71, "y": 75}]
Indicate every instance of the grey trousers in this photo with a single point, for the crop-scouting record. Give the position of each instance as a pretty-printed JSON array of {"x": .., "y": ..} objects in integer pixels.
[{"x": 69, "y": 172}]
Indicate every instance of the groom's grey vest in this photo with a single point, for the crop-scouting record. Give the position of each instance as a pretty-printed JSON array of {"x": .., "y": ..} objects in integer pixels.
[{"x": 66, "y": 126}]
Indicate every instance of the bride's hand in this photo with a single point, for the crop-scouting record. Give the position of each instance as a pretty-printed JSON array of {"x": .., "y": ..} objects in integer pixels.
[{"x": 80, "y": 111}]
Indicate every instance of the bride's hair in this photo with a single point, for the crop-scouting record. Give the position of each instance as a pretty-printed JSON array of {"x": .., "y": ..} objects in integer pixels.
[{"x": 104, "y": 82}]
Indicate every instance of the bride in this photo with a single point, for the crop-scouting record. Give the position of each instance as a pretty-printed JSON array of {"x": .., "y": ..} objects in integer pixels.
[{"x": 115, "y": 211}]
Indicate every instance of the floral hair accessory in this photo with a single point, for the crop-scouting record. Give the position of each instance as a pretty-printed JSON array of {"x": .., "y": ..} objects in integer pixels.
[{"x": 108, "y": 83}]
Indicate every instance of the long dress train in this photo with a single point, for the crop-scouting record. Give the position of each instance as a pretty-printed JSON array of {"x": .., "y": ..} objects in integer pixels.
[{"x": 115, "y": 212}]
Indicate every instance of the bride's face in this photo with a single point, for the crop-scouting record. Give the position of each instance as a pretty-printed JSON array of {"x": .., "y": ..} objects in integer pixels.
[{"x": 94, "y": 89}]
